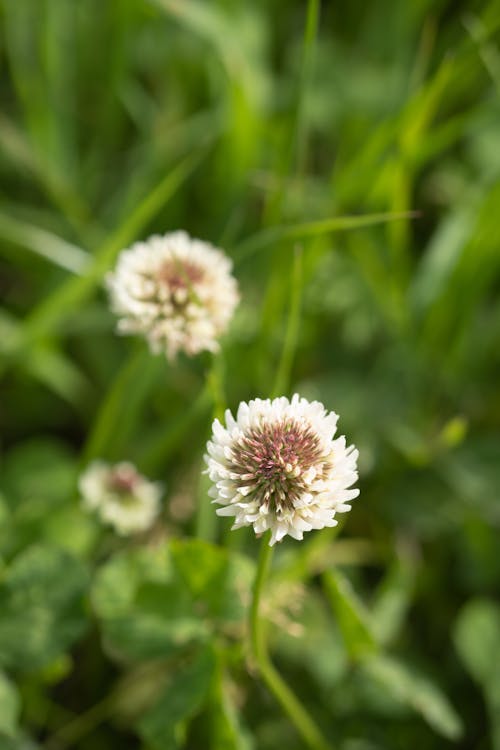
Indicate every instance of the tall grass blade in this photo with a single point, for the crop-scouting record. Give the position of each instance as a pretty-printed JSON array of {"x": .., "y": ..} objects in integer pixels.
[
  {"x": 45, "y": 244},
  {"x": 46, "y": 318}
]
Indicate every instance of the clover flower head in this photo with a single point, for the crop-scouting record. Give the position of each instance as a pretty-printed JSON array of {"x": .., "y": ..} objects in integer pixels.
[
  {"x": 120, "y": 496},
  {"x": 277, "y": 466},
  {"x": 176, "y": 291}
]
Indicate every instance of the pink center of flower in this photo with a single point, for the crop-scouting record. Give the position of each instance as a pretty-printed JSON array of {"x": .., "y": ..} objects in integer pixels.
[
  {"x": 123, "y": 480},
  {"x": 179, "y": 277},
  {"x": 273, "y": 460}
]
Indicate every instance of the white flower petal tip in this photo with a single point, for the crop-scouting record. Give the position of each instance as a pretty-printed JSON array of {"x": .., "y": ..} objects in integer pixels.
[
  {"x": 277, "y": 467},
  {"x": 120, "y": 496},
  {"x": 176, "y": 291}
]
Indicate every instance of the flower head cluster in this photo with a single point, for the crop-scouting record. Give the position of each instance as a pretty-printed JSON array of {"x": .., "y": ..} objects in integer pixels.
[
  {"x": 120, "y": 496},
  {"x": 278, "y": 467},
  {"x": 176, "y": 291}
]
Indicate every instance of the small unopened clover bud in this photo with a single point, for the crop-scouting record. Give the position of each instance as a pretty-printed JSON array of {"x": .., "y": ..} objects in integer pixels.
[
  {"x": 278, "y": 467},
  {"x": 120, "y": 496},
  {"x": 178, "y": 292}
]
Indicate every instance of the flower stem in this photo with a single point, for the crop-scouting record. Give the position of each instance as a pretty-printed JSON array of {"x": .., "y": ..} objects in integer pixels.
[{"x": 271, "y": 677}]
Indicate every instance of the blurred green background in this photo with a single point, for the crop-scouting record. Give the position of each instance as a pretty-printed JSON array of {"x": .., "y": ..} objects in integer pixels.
[{"x": 253, "y": 124}]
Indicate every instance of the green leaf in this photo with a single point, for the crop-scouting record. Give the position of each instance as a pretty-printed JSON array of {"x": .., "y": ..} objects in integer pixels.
[
  {"x": 152, "y": 602},
  {"x": 392, "y": 601},
  {"x": 226, "y": 731},
  {"x": 73, "y": 529},
  {"x": 312, "y": 641},
  {"x": 116, "y": 582},
  {"x": 200, "y": 564},
  {"x": 41, "y": 607},
  {"x": 146, "y": 634},
  {"x": 38, "y": 483},
  {"x": 145, "y": 611},
  {"x": 353, "y": 619},
  {"x": 416, "y": 691},
  {"x": 20, "y": 742},
  {"x": 219, "y": 582},
  {"x": 477, "y": 637},
  {"x": 441, "y": 257},
  {"x": 10, "y": 706},
  {"x": 164, "y": 726},
  {"x": 477, "y": 640},
  {"x": 37, "y": 475}
]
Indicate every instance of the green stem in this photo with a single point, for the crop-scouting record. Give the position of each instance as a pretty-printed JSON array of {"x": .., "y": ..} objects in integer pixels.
[
  {"x": 71, "y": 734},
  {"x": 81, "y": 726},
  {"x": 285, "y": 697},
  {"x": 282, "y": 380},
  {"x": 289, "y": 171},
  {"x": 121, "y": 405},
  {"x": 308, "y": 46}
]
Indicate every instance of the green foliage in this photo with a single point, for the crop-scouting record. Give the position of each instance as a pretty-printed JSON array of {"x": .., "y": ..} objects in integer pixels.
[
  {"x": 144, "y": 610},
  {"x": 416, "y": 691},
  {"x": 347, "y": 158},
  {"x": 165, "y": 724},
  {"x": 400, "y": 683},
  {"x": 41, "y": 612},
  {"x": 38, "y": 484},
  {"x": 218, "y": 580},
  {"x": 477, "y": 639},
  {"x": 153, "y": 602},
  {"x": 9, "y": 706},
  {"x": 226, "y": 731},
  {"x": 353, "y": 620},
  {"x": 392, "y": 601}
]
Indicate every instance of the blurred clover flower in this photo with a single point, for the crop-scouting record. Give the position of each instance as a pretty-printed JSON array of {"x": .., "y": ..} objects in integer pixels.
[
  {"x": 120, "y": 496},
  {"x": 278, "y": 467},
  {"x": 177, "y": 291}
]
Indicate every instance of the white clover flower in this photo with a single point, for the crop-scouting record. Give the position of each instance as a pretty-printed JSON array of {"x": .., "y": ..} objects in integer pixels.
[
  {"x": 120, "y": 496},
  {"x": 278, "y": 467},
  {"x": 176, "y": 291}
]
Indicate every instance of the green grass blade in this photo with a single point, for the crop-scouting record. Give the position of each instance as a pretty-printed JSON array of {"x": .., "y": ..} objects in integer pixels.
[
  {"x": 209, "y": 22},
  {"x": 73, "y": 293},
  {"x": 352, "y": 617},
  {"x": 52, "y": 368},
  {"x": 417, "y": 691},
  {"x": 305, "y": 230},
  {"x": 300, "y": 120},
  {"x": 59, "y": 374},
  {"x": 282, "y": 381},
  {"x": 155, "y": 448},
  {"x": 121, "y": 407},
  {"x": 45, "y": 244},
  {"x": 15, "y": 145}
]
